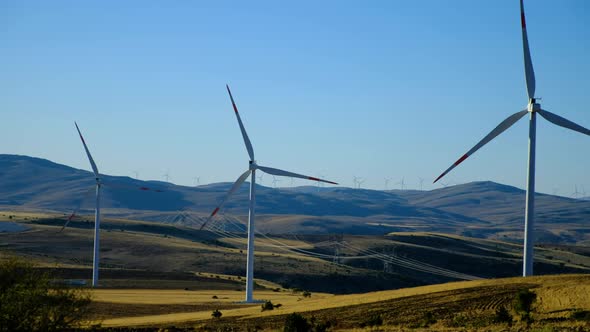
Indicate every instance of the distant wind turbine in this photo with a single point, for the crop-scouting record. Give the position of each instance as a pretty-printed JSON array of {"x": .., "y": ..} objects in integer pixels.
[
  {"x": 196, "y": 180},
  {"x": 532, "y": 109},
  {"x": 576, "y": 193},
  {"x": 402, "y": 183},
  {"x": 275, "y": 181},
  {"x": 260, "y": 177},
  {"x": 253, "y": 166},
  {"x": 357, "y": 181},
  {"x": 421, "y": 182},
  {"x": 167, "y": 176}
]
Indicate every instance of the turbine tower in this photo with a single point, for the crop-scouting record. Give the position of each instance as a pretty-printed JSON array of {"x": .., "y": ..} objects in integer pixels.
[
  {"x": 96, "y": 257},
  {"x": 252, "y": 168},
  {"x": 532, "y": 109}
]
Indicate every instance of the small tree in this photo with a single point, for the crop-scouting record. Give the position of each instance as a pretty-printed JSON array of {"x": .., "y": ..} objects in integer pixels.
[
  {"x": 216, "y": 314},
  {"x": 267, "y": 306},
  {"x": 296, "y": 323},
  {"x": 30, "y": 302},
  {"x": 306, "y": 294},
  {"x": 523, "y": 303}
]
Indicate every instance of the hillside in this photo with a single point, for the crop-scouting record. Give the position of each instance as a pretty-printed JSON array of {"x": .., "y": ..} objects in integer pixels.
[
  {"x": 159, "y": 275},
  {"x": 338, "y": 264},
  {"x": 469, "y": 305},
  {"x": 480, "y": 209}
]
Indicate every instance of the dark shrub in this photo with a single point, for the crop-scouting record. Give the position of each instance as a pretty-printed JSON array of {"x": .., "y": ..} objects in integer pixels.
[
  {"x": 523, "y": 303},
  {"x": 267, "y": 306},
  {"x": 216, "y": 314},
  {"x": 296, "y": 323},
  {"x": 502, "y": 316}
]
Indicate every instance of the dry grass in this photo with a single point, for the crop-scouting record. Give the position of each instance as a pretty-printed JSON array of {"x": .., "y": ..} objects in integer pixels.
[{"x": 557, "y": 297}]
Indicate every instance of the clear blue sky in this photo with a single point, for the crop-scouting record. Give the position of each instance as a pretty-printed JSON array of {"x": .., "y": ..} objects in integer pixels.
[{"x": 372, "y": 89}]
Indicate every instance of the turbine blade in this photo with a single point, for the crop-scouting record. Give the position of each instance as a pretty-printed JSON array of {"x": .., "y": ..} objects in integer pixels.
[
  {"x": 244, "y": 134},
  {"x": 235, "y": 187},
  {"x": 563, "y": 122},
  {"x": 94, "y": 168},
  {"x": 275, "y": 171},
  {"x": 507, "y": 123},
  {"x": 528, "y": 64},
  {"x": 75, "y": 212}
]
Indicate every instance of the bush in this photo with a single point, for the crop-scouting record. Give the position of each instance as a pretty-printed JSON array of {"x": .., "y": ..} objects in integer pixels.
[
  {"x": 30, "y": 302},
  {"x": 296, "y": 323},
  {"x": 523, "y": 303},
  {"x": 373, "y": 320},
  {"x": 216, "y": 314},
  {"x": 267, "y": 306},
  {"x": 427, "y": 320},
  {"x": 582, "y": 315},
  {"x": 306, "y": 294},
  {"x": 502, "y": 316}
]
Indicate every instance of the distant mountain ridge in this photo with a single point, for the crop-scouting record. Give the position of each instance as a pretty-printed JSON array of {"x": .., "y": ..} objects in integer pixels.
[{"x": 485, "y": 209}]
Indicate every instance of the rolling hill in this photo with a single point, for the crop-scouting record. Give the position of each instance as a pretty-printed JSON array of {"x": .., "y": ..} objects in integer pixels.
[{"x": 480, "y": 209}]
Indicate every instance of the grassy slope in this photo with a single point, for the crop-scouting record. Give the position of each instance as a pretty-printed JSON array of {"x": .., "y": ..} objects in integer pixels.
[{"x": 476, "y": 300}]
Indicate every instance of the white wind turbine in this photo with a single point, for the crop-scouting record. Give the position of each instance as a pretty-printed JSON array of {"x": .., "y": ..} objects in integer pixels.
[
  {"x": 253, "y": 166},
  {"x": 275, "y": 181},
  {"x": 576, "y": 193},
  {"x": 532, "y": 109},
  {"x": 402, "y": 183},
  {"x": 96, "y": 257}
]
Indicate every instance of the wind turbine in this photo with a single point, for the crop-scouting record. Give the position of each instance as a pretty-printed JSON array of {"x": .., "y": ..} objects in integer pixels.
[
  {"x": 96, "y": 257},
  {"x": 275, "y": 181},
  {"x": 402, "y": 183},
  {"x": 421, "y": 182},
  {"x": 253, "y": 167},
  {"x": 357, "y": 181},
  {"x": 166, "y": 176},
  {"x": 576, "y": 193},
  {"x": 260, "y": 177},
  {"x": 532, "y": 109}
]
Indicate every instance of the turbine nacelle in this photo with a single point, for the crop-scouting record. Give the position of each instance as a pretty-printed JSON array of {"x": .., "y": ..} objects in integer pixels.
[
  {"x": 252, "y": 165},
  {"x": 533, "y": 106}
]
